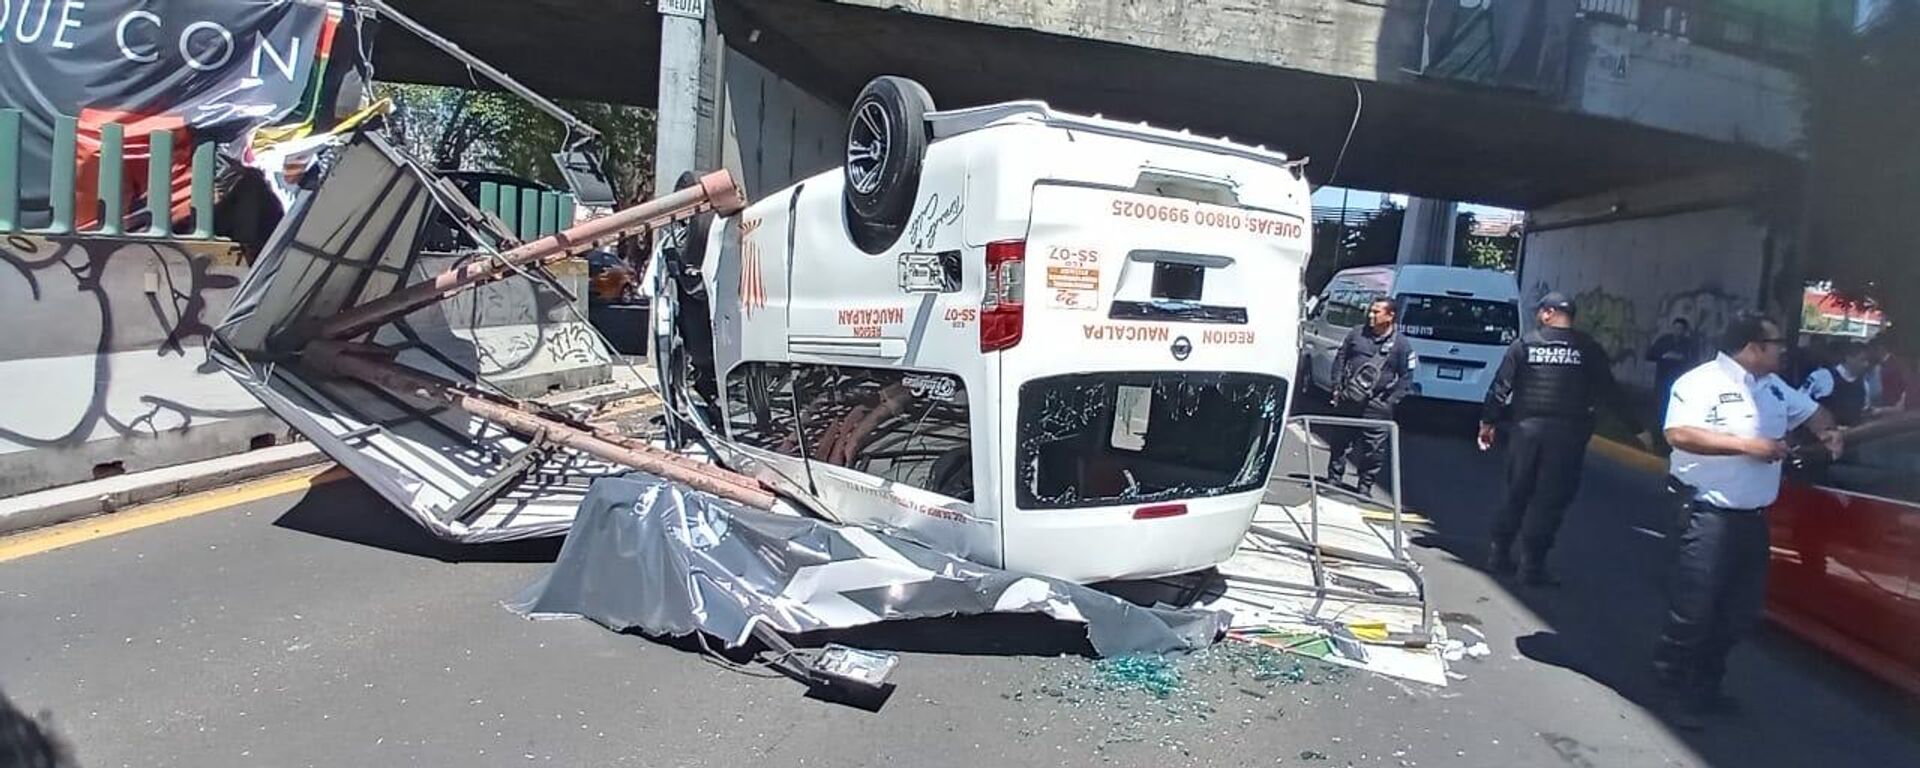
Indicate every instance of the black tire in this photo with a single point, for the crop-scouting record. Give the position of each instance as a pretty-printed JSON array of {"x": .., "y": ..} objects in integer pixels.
[
  {"x": 886, "y": 143},
  {"x": 692, "y": 233}
]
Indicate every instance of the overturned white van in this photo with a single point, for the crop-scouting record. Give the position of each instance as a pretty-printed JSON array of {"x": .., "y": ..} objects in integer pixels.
[{"x": 1040, "y": 341}]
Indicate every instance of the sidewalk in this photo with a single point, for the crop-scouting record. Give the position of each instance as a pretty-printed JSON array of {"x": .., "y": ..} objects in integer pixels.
[
  {"x": 80, "y": 500},
  {"x": 98, "y": 497}
]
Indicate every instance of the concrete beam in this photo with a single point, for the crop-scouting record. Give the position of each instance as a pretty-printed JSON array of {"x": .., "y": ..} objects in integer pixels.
[
  {"x": 1426, "y": 138},
  {"x": 565, "y": 49},
  {"x": 1342, "y": 38},
  {"x": 1287, "y": 73}
]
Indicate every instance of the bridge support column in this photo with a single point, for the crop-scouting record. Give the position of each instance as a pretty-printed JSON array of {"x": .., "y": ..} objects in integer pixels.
[
  {"x": 677, "y": 126},
  {"x": 1426, "y": 236}
]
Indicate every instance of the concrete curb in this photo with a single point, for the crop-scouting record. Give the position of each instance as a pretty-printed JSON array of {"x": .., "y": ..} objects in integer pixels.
[
  {"x": 1633, "y": 458},
  {"x": 73, "y": 502},
  {"x": 624, "y": 385}
]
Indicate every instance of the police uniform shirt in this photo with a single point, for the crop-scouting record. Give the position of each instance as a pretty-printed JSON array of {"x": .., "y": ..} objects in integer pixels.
[
  {"x": 1558, "y": 373},
  {"x": 1722, "y": 397}
]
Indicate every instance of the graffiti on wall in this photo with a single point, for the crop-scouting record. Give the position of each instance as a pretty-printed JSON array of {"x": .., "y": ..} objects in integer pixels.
[
  {"x": 1616, "y": 322},
  {"x": 72, "y": 303},
  {"x": 1707, "y": 310},
  {"x": 1610, "y": 320},
  {"x": 510, "y": 327},
  {"x": 563, "y": 345}
]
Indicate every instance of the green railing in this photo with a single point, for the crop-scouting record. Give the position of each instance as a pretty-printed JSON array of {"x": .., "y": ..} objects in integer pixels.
[
  {"x": 110, "y": 215},
  {"x": 529, "y": 213}
]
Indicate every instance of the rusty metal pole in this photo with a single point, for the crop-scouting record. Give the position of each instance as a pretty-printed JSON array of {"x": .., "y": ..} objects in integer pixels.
[
  {"x": 341, "y": 360},
  {"x": 716, "y": 192}
]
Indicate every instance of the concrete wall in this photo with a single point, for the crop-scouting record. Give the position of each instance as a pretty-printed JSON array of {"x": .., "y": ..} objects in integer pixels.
[
  {"x": 520, "y": 335},
  {"x": 1613, "y": 71},
  {"x": 773, "y": 131},
  {"x": 1667, "y": 83},
  {"x": 1632, "y": 276},
  {"x": 104, "y": 368},
  {"x": 104, "y": 359},
  {"x": 1333, "y": 37}
]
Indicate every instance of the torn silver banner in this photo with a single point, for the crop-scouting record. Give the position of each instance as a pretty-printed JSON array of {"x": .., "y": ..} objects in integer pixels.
[{"x": 649, "y": 554}]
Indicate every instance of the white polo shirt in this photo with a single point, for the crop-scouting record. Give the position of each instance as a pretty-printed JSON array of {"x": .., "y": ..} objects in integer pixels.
[{"x": 1720, "y": 396}]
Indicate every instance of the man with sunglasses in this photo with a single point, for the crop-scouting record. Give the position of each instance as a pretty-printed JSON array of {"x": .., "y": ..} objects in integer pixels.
[{"x": 1727, "y": 421}]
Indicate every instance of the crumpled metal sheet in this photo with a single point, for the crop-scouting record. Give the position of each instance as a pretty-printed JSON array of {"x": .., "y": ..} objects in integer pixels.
[
  {"x": 355, "y": 238},
  {"x": 649, "y": 554}
]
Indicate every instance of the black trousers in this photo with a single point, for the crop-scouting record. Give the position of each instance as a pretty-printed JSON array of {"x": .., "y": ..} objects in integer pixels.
[
  {"x": 1366, "y": 448},
  {"x": 1544, "y": 460},
  {"x": 1719, "y": 588}
]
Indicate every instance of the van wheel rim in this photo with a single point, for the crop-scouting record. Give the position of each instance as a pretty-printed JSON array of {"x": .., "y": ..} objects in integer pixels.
[{"x": 867, "y": 147}]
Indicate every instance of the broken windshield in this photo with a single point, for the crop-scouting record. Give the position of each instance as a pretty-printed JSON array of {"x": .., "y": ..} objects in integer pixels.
[{"x": 1120, "y": 438}]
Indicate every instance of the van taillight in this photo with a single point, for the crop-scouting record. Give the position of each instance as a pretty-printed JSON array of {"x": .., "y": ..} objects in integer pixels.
[
  {"x": 1003, "y": 309},
  {"x": 1157, "y": 512}
]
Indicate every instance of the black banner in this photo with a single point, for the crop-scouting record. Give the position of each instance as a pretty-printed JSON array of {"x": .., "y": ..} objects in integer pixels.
[
  {"x": 208, "y": 70},
  {"x": 1518, "y": 44}
]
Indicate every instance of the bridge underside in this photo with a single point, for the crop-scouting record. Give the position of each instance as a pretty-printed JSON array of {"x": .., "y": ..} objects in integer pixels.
[{"x": 1422, "y": 137}]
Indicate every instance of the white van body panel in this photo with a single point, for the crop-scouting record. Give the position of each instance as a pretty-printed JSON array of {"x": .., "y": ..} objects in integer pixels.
[
  {"x": 1456, "y": 364},
  {"x": 1113, "y": 216}
]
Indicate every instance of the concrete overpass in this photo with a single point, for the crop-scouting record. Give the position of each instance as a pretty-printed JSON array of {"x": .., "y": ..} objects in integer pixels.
[
  {"x": 1278, "y": 72},
  {"x": 1650, "y": 151}
]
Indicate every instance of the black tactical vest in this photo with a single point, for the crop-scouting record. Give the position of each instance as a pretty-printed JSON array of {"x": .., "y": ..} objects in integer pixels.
[
  {"x": 1553, "y": 380},
  {"x": 1848, "y": 403}
]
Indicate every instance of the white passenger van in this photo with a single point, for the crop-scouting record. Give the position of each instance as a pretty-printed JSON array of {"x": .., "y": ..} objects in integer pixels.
[
  {"x": 1046, "y": 342},
  {"x": 1459, "y": 321}
]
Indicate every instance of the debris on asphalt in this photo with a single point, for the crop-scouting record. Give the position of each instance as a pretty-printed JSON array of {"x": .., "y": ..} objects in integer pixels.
[
  {"x": 1170, "y": 701},
  {"x": 1455, "y": 650}
]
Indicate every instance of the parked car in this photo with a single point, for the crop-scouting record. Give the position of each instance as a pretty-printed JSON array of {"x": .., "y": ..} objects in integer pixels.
[
  {"x": 1846, "y": 552},
  {"x": 612, "y": 280},
  {"x": 1459, "y": 321},
  {"x": 1047, "y": 342}
]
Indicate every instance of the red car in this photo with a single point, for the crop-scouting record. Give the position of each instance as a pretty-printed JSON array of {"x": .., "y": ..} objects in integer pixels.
[{"x": 1846, "y": 552}]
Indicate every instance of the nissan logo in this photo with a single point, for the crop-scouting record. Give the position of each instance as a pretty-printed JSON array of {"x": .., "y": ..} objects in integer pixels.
[{"x": 1182, "y": 348}]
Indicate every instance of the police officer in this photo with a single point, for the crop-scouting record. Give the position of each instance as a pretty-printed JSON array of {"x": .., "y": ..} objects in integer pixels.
[
  {"x": 1548, "y": 386},
  {"x": 1841, "y": 388},
  {"x": 1371, "y": 373},
  {"x": 1726, "y": 421}
]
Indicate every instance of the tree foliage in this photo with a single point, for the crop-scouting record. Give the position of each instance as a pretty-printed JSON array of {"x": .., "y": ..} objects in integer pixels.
[
  {"x": 1864, "y": 170},
  {"x": 1489, "y": 252},
  {"x": 463, "y": 129}
]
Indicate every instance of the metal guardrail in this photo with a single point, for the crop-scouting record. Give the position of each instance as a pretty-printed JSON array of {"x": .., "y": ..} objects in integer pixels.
[
  {"x": 110, "y": 216},
  {"x": 1624, "y": 10},
  {"x": 1712, "y": 23},
  {"x": 1307, "y": 422},
  {"x": 1398, "y": 560},
  {"x": 530, "y": 213}
]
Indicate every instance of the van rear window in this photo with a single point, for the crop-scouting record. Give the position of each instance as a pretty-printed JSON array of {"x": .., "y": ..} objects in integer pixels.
[
  {"x": 1102, "y": 439},
  {"x": 1459, "y": 320}
]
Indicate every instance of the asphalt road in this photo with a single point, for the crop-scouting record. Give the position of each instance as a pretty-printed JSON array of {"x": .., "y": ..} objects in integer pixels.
[{"x": 319, "y": 629}]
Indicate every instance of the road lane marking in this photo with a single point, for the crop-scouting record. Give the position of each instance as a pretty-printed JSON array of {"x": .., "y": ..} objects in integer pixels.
[
  {"x": 134, "y": 518},
  {"x": 1409, "y": 518},
  {"x": 1631, "y": 457}
]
